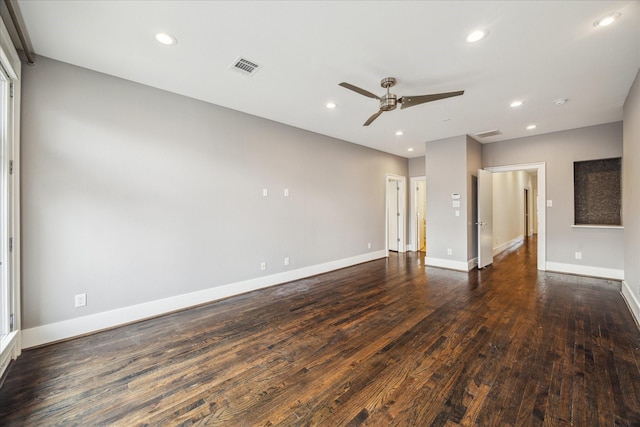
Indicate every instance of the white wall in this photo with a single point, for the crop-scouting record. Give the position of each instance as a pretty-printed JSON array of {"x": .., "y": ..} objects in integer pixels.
[
  {"x": 602, "y": 249},
  {"x": 631, "y": 198},
  {"x": 134, "y": 195}
]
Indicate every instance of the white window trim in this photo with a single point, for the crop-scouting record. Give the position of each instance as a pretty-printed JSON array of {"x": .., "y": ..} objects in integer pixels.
[{"x": 10, "y": 345}]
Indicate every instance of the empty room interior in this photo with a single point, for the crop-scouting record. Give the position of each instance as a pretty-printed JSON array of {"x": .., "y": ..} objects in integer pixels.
[{"x": 243, "y": 213}]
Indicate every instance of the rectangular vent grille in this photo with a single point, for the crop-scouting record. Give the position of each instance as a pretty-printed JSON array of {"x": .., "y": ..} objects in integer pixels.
[
  {"x": 244, "y": 66},
  {"x": 489, "y": 133}
]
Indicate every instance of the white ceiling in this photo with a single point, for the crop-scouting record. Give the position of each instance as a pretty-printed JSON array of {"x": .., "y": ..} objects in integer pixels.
[{"x": 536, "y": 51}]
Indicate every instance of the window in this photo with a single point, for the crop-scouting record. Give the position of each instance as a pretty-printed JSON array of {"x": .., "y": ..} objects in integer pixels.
[
  {"x": 9, "y": 201},
  {"x": 598, "y": 192}
]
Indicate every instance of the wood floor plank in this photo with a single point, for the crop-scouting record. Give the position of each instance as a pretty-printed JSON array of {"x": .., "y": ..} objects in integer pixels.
[{"x": 385, "y": 343}]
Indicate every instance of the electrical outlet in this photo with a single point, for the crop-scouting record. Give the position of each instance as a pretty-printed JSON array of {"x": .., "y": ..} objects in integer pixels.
[
  {"x": 578, "y": 255},
  {"x": 263, "y": 265},
  {"x": 286, "y": 261},
  {"x": 369, "y": 245},
  {"x": 81, "y": 300},
  {"x": 449, "y": 251}
]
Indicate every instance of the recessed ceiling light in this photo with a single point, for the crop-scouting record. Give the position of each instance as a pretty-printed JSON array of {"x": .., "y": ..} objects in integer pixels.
[
  {"x": 331, "y": 105},
  {"x": 476, "y": 36},
  {"x": 515, "y": 104},
  {"x": 607, "y": 20},
  {"x": 410, "y": 149},
  {"x": 560, "y": 101},
  {"x": 166, "y": 39},
  {"x": 531, "y": 127},
  {"x": 399, "y": 132}
]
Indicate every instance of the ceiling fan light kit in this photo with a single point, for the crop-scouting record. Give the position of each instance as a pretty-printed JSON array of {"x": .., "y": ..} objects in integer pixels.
[{"x": 389, "y": 101}]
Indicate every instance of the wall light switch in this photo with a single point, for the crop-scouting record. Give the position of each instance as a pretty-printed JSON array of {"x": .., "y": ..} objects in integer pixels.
[
  {"x": 286, "y": 192},
  {"x": 456, "y": 203},
  {"x": 549, "y": 203}
]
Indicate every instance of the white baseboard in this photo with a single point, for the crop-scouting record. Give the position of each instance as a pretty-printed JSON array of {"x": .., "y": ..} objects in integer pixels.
[
  {"x": 632, "y": 301},
  {"x": 49, "y": 333},
  {"x": 472, "y": 263},
  {"x": 506, "y": 245},
  {"x": 585, "y": 270},
  {"x": 446, "y": 263}
]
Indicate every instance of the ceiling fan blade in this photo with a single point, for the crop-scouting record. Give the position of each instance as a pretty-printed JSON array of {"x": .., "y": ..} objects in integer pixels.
[
  {"x": 372, "y": 118},
  {"x": 410, "y": 101},
  {"x": 360, "y": 91}
]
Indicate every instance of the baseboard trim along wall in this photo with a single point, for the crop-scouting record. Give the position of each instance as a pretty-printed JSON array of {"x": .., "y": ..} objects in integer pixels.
[
  {"x": 631, "y": 300},
  {"x": 585, "y": 270},
  {"x": 447, "y": 263},
  {"x": 53, "y": 332},
  {"x": 505, "y": 246}
]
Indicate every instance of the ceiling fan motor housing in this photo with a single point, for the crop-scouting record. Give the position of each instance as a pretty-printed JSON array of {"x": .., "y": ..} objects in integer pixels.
[{"x": 388, "y": 102}]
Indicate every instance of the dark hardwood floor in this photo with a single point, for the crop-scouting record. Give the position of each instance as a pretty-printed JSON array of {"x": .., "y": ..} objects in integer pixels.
[{"x": 388, "y": 342}]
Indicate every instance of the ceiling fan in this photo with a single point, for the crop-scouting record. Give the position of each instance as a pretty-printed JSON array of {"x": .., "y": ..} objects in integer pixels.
[{"x": 390, "y": 101}]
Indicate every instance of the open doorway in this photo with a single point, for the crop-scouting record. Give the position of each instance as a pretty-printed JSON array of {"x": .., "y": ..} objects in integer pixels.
[
  {"x": 395, "y": 212},
  {"x": 536, "y": 218}
]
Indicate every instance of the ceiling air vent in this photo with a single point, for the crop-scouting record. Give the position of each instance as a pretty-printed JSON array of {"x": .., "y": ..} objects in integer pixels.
[
  {"x": 244, "y": 66},
  {"x": 489, "y": 133}
]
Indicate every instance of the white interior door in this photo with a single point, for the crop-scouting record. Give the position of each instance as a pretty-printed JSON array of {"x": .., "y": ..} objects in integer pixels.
[
  {"x": 485, "y": 218},
  {"x": 393, "y": 214}
]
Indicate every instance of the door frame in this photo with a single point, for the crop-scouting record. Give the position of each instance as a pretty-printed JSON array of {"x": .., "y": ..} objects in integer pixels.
[
  {"x": 414, "y": 226},
  {"x": 402, "y": 221},
  {"x": 527, "y": 212},
  {"x": 541, "y": 204}
]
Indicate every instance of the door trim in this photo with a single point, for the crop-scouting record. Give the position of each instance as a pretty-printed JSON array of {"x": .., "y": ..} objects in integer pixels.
[{"x": 541, "y": 203}]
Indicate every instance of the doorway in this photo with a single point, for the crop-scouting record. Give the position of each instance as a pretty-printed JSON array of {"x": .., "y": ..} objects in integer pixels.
[
  {"x": 539, "y": 171},
  {"x": 418, "y": 223},
  {"x": 395, "y": 212}
]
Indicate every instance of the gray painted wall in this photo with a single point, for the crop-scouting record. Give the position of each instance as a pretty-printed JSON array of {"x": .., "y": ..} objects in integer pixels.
[
  {"x": 446, "y": 173},
  {"x": 631, "y": 190},
  {"x": 132, "y": 194},
  {"x": 601, "y": 248},
  {"x": 474, "y": 162},
  {"x": 416, "y": 166}
]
